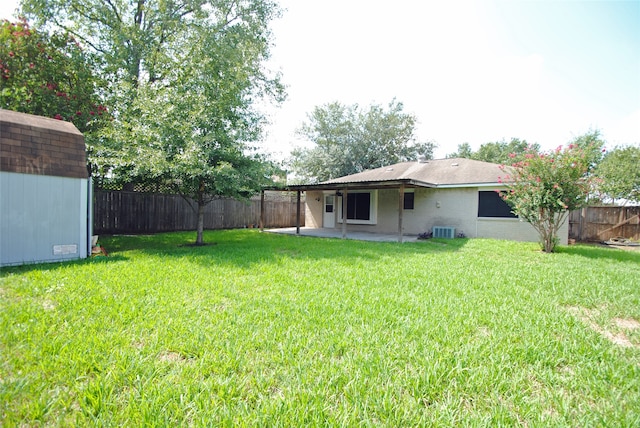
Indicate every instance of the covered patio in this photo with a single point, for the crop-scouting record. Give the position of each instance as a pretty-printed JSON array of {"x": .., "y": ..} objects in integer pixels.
[{"x": 343, "y": 188}]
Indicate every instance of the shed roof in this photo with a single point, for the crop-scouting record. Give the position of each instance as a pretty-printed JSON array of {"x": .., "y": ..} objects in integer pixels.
[
  {"x": 454, "y": 172},
  {"x": 39, "y": 145}
]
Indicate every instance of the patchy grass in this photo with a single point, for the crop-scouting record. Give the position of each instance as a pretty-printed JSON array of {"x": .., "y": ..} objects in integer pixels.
[{"x": 263, "y": 329}]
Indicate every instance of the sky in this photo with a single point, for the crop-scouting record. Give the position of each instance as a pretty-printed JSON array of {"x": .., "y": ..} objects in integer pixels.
[{"x": 470, "y": 71}]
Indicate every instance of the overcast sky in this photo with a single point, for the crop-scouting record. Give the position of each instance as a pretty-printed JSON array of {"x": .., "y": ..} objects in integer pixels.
[{"x": 475, "y": 72}]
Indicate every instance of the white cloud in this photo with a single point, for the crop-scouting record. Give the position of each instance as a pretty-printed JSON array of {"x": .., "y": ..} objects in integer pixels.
[{"x": 7, "y": 9}]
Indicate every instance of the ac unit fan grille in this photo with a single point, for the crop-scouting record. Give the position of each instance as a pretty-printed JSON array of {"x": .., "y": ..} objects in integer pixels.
[{"x": 444, "y": 232}]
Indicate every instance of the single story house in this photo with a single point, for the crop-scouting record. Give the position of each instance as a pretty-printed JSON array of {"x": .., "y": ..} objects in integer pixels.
[
  {"x": 45, "y": 200},
  {"x": 449, "y": 197}
]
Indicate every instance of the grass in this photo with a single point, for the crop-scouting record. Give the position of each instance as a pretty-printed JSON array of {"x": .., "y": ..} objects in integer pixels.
[{"x": 268, "y": 330}]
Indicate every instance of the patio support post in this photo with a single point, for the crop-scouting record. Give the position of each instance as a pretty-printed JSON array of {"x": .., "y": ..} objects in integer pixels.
[
  {"x": 262, "y": 210},
  {"x": 400, "y": 210},
  {"x": 344, "y": 212},
  {"x": 298, "y": 213}
]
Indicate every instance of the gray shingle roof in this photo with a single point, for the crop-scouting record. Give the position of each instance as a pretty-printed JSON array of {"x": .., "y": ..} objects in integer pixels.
[{"x": 434, "y": 172}]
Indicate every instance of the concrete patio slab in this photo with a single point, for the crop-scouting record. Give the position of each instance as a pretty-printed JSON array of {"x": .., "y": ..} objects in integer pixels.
[{"x": 337, "y": 233}]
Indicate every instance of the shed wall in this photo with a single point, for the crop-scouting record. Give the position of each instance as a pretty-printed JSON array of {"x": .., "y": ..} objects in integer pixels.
[{"x": 42, "y": 218}]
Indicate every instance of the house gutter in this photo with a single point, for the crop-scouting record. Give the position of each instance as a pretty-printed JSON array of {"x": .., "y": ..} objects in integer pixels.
[{"x": 358, "y": 185}]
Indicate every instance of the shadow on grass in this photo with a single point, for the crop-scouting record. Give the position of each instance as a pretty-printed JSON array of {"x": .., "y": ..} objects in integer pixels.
[
  {"x": 245, "y": 248},
  {"x": 44, "y": 267},
  {"x": 595, "y": 251}
]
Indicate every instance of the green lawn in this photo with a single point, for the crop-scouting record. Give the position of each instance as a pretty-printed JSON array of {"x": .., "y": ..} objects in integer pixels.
[{"x": 269, "y": 330}]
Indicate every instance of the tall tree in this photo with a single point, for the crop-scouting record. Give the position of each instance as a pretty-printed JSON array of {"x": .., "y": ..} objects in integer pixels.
[
  {"x": 47, "y": 75},
  {"x": 184, "y": 77},
  {"x": 619, "y": 175},
  {"x": 500, "y": 152},
  {"x": 348, "y": 140}
]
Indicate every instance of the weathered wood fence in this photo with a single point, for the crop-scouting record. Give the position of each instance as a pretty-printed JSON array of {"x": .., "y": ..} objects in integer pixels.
[
  {"x": 604, "y": 223},
  {"x": 136, "y": 212}
]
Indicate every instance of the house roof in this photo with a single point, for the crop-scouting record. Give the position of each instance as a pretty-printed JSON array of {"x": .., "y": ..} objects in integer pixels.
[{"x": 454, "y": 172}]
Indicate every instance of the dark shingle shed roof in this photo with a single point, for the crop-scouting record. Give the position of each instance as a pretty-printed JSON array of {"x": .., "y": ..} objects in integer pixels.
[{"x": 39, "y": 145}]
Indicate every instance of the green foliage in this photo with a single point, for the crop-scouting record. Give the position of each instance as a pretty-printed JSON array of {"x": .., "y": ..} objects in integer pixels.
[
  {"x": 185, "y": 82},
  {"x": 268, "y": 330},
  {"x": 592, "y": 145},
  {"x": 543, "y": 187},
  {"x": 348, "y": 140},
  {"x": 499, "y": 152},
  {"x": 464, "y": 151},
  {"x": 48, "y": 75},
  {"x": 619, "y": 174}
]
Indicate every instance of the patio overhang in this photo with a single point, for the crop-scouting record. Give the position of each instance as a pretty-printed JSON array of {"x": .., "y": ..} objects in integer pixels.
[
  {"x": 344, "y": 188},
  {"x": 357, "y": 185}
]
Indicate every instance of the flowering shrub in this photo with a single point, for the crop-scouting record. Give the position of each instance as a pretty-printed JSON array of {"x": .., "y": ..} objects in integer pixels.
[
  {"x": 48, "y": 76},
  {"x": 543, "y": 187}
]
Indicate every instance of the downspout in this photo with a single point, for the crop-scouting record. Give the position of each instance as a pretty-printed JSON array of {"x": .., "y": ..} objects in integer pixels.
[{"x": 89, "y": 237}]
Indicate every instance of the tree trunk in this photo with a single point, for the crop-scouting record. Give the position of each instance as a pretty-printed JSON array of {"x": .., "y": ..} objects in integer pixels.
[
  {"x": 201, "y": 204},
  {"x": 200, "y": 228}
]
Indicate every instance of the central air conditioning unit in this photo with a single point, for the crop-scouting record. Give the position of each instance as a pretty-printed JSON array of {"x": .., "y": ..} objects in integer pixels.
[{"x": 444, "y": 232}]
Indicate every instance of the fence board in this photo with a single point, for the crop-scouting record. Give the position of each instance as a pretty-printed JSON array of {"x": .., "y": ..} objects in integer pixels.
[
  {"x": 604, "y": 223},
  {"x": 135, "y": 212}
]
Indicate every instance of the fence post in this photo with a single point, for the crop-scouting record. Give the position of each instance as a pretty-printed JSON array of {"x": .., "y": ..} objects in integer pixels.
[
  {"x": 583, "y": 216},
  {"x": 261, "y": 210}
]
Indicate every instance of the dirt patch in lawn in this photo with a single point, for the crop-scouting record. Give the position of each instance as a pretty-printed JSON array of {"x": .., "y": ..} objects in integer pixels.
[
  {"x": 615, "y": 331},
  {"x": 627, "y": 323},
  {"x": 173, "y": 357}
]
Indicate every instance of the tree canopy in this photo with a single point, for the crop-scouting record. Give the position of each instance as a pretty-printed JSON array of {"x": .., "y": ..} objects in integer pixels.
[
  {"x": 619, "y": 175},
  {"x": 184, "y": 79},
  {"x": 500, "y": 152},
  {"x": 48, "y": 75},
  {"x": 347, "y": 140}
]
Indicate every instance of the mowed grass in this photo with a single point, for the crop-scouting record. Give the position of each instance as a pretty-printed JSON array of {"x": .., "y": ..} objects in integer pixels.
[{"x": 269, "y": 330}]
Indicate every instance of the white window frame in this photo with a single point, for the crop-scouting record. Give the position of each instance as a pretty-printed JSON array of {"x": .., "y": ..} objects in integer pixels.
[{"x": 373, "y": 207}]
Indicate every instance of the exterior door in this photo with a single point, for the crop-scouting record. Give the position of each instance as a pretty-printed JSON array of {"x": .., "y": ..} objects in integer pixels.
[{"x": 329, "y": 215}]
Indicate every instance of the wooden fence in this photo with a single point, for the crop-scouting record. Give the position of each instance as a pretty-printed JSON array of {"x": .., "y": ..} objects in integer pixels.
[
  {"x": 604, "y": 223},
  {"x": 135, "y": 212}
]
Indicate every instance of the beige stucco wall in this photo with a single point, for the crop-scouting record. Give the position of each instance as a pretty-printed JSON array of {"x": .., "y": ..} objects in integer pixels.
[
  {"x": 454, "y": 207},
  {"x": 313, "y": 209}
]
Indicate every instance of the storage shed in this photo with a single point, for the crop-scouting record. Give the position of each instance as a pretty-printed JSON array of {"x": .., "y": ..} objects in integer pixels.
[{"x": 45, "y": 209}]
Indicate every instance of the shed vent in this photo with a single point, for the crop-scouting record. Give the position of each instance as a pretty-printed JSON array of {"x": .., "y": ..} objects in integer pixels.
[{"x": 444, "y": 232}]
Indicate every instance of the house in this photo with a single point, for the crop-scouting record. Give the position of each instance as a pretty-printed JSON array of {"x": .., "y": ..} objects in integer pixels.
[
  {"x": 449, "y": 197},
  {"x": 45, "y": 213}
]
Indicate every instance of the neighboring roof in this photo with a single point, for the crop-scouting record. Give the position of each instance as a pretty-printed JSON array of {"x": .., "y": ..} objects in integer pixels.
[
  {"x": 39, "y": 145},
  {"x": 454, "y": 172}
]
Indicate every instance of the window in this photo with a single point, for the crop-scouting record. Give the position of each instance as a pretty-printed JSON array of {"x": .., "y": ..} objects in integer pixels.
[
  {"x": 358, "y": 206},
  {"x": 361, "y": 207},
  {"x": 328, "y": 203},
  {"x": 490, "y": 204},
  {"x": 408, "y": 200}
]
